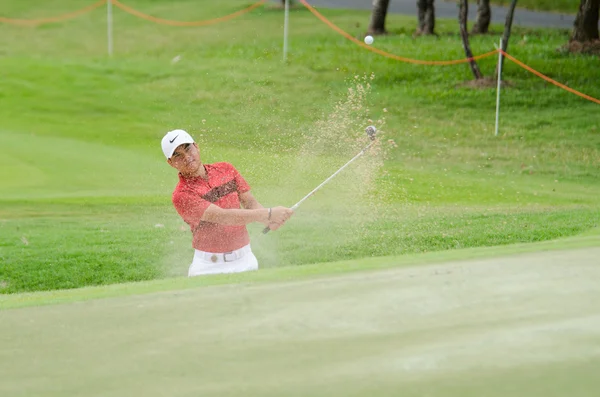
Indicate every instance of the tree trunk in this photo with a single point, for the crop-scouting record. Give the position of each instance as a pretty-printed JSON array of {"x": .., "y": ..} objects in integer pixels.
[
  {"x": 507, "y": 29},
  {"x": 462, "y": 21},
  {"x": 426, "y": 15},
  {"x": 484, "y": 15},
  {"x": 586, "y": 22},
  {"x": 377, "y": 24}
]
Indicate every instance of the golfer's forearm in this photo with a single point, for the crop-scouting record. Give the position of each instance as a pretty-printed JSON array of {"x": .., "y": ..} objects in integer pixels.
[{"x": 235, "y": 217}]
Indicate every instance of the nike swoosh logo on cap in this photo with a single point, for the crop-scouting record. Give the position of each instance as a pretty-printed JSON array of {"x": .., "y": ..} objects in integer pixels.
[{"x": 173, "y": 139}]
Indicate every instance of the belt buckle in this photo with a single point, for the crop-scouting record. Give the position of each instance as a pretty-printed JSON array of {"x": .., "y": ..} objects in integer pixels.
[
  {"x": 214, "y": 258},
  {"x": 225, "y": 256}
]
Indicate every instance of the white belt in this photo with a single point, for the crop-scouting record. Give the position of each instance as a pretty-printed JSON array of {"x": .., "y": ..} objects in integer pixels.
[{"x": 222, "y": 256}]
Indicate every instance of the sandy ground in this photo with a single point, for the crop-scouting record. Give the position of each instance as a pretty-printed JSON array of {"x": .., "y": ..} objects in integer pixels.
[{"x": 523, "y": 325}]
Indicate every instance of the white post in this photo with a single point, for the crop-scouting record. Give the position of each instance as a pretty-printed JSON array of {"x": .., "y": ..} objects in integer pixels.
[
  {"x": 499, "y": 86},
  {"x": 109, "y": 27},
  {"x": 286, "y": 19}
]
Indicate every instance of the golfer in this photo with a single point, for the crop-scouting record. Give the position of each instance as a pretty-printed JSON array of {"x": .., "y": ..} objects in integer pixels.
[{"x": 208, "y": 198}]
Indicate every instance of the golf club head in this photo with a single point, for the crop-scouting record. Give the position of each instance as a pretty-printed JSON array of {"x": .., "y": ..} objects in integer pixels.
[{"x": 371, "y": 131}]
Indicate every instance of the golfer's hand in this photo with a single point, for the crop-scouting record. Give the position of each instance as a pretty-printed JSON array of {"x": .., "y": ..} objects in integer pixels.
[{"x": 279, "y": 215}]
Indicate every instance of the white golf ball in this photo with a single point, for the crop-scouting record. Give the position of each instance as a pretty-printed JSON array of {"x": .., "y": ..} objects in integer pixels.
[{"x": 369, "y": 40}]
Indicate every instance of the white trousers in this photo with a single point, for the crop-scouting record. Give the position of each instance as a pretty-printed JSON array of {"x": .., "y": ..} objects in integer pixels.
[{"x": 241, "y": 260}]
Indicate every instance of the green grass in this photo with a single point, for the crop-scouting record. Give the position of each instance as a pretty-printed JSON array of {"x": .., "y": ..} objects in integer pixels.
[
  {"x": 566, "y": 6},
  {"x": 85, "y": 192},
  {"x": 524, "y": 325},
  {"x": 296, "y": 273}
]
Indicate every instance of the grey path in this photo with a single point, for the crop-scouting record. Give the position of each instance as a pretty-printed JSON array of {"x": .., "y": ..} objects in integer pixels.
[{"x": 448, "y": 10}]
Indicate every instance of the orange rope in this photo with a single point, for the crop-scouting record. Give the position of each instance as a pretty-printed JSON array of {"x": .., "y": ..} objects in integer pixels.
[
  {"x": 180, "y": 23},
  {"x": 64, "y": 17},
  {"x": 548, "y": 79},
  {"x": 387, "y": 54}
]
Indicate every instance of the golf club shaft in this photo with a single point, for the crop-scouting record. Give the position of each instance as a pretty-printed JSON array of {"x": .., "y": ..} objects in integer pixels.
[{"x": 267, "y": 229}]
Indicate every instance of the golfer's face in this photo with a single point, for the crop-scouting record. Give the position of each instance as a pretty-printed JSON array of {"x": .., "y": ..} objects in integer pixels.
[{"x": 186, "y": 158}]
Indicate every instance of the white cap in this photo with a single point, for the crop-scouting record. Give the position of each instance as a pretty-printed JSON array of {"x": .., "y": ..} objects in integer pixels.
[{"x": 173, "y": 139}]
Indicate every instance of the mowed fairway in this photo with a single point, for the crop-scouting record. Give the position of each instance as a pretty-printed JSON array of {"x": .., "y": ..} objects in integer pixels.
[{"x": 525, "y": 325}]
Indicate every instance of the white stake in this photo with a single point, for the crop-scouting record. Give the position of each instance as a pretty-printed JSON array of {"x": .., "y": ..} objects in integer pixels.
[
  {"x": 286, "y": 19},
  {"x": 109, "y": 27},
  {"x": 499, "y": 86}
]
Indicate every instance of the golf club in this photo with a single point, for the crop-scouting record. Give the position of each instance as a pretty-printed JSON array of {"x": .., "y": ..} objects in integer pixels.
[{"x": 371, "y": 131}]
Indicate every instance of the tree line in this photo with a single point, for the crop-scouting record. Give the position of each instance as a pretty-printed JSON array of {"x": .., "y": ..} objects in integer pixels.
[{"x": 585, "y": 28}]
